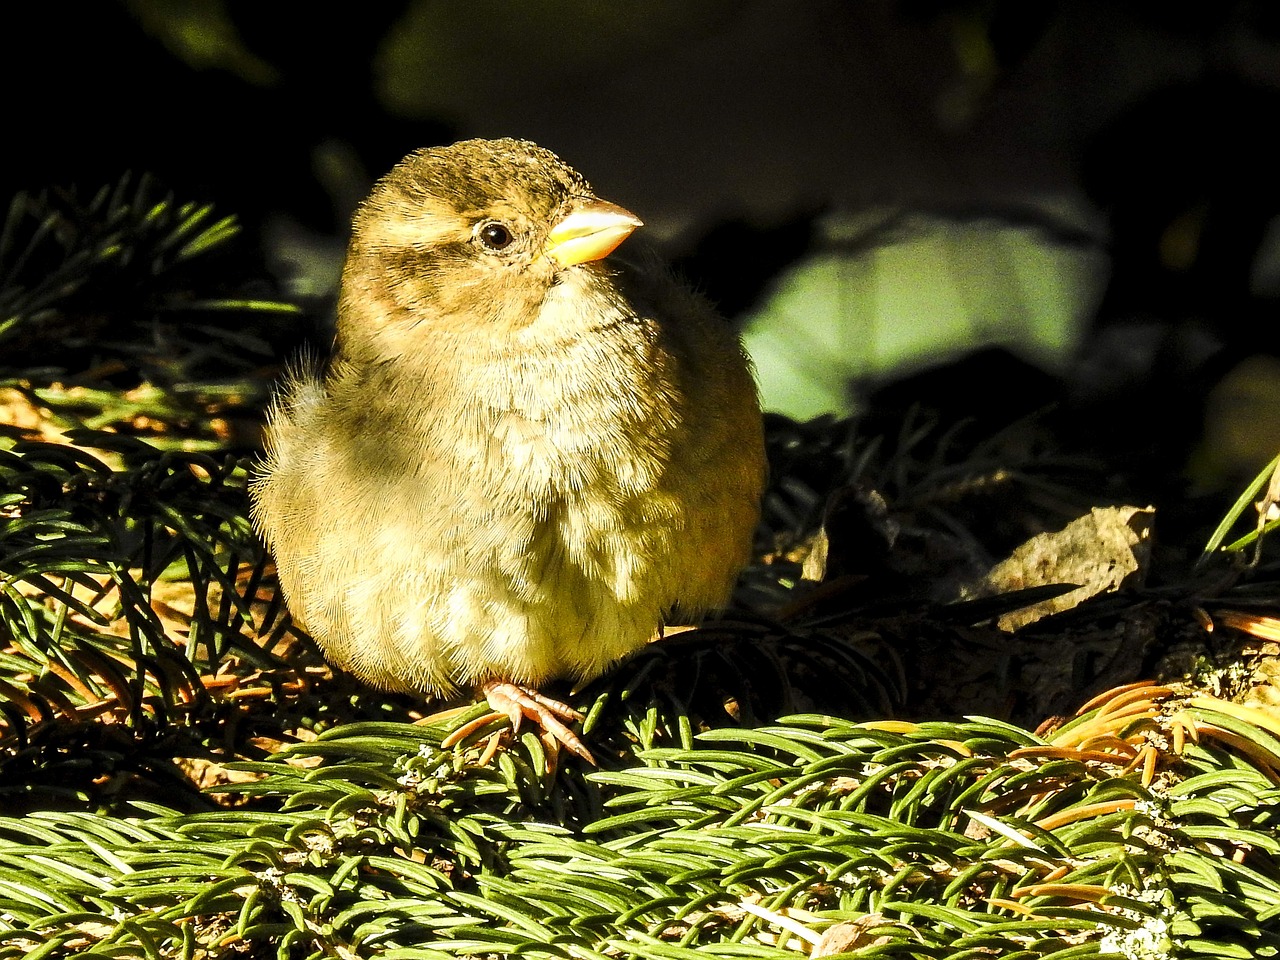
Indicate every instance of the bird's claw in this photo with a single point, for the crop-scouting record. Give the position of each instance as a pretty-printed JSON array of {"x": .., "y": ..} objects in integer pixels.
[{"x": 519, "y": 703}]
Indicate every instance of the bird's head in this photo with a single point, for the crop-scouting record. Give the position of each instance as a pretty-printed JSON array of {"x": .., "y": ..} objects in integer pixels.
[{"x": 471, "y": 238}]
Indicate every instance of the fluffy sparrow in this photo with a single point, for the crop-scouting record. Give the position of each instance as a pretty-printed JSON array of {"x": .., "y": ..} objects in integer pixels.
[{"x": 522, "y": 459}]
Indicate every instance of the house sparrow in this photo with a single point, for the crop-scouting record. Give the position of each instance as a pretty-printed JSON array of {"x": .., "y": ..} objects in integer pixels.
[{"x": 521, "y": 459}]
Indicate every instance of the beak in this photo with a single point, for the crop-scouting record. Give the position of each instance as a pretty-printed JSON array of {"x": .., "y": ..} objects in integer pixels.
[{"x": 591, "y": 230}]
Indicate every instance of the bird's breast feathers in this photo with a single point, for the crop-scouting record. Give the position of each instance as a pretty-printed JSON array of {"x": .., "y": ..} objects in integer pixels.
[{"x": 537, "y": 516}]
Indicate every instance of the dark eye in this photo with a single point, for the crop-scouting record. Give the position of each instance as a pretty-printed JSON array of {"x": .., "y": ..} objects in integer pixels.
[{"x": 495, "y": 236}]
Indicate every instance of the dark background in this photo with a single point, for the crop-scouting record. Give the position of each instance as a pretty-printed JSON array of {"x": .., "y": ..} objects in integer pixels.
[{"x": 1140, "y": 129}]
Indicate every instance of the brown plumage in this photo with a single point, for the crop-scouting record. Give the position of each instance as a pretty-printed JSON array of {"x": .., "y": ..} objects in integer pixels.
[{"x": 522, "y": 457}]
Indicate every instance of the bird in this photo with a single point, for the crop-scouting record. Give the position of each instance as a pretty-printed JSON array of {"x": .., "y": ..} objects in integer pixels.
[{"x": 524, "y": 457}]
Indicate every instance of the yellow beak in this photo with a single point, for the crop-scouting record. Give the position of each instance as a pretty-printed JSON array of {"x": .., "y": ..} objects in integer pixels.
[{"x": 591, "y": 230}]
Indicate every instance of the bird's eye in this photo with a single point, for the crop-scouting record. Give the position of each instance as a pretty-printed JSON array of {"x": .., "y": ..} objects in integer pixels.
[{"x": 494, "y": 235}]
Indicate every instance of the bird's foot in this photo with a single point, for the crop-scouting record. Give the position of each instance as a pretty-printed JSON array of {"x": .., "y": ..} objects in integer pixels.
[{"x": 519, "y": 703}]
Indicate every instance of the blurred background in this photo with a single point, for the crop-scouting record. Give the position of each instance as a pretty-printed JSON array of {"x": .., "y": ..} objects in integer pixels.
[{"x": 990, "y": 207}]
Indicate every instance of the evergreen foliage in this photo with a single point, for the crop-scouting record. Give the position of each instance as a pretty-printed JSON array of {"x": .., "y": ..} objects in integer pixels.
[
  {"x": 182, "y": 776},
  {"x": 946, "y": 840},
  {"x": 131, "y": 310}
]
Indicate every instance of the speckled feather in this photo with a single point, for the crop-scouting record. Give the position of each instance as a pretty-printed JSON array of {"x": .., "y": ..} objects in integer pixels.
[{"x": 510, "y": 470}]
